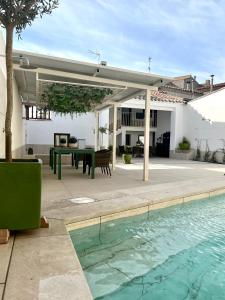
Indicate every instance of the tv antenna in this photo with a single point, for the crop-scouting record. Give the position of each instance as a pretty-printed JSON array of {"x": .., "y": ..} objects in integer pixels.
[
  {"x": 96, "y": 53},
  {"x": 149, "y": 64}
]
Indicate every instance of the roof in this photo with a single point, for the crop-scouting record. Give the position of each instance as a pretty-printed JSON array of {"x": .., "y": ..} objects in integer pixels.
[
  {"x": 164, "y": 97},
  {"x": 182, "y": 77},
  {"x": 206, "y": 88},
  {"x": 174, "y": 87},
  {"x": 126, "y": 83}
]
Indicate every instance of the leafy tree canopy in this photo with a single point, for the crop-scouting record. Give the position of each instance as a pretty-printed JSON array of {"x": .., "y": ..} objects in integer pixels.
[
  {"x": 71, "y": 99},
  {"x": 20, "y": 13}
]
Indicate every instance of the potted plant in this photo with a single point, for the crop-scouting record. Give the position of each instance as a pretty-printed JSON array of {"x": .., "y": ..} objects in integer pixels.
[
  {"x": 127, "y": 156},
  {"x": 20, "y": 204},
  {"x": 73, "y": 142},
  {"x": 102, "y": 130},
  {"x": 184, "y": 145},
  {"x": 62, "y": 142}
]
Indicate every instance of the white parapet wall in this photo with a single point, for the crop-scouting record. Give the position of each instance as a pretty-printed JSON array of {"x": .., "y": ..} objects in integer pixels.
[
  {"x": 17, "y": 123},
  {"x": 204, "y": 121}
]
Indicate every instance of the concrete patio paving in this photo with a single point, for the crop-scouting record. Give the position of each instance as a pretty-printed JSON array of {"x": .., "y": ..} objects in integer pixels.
[
  {"x": 125, "y": 189},
  {"x": 42, "y": 264}
]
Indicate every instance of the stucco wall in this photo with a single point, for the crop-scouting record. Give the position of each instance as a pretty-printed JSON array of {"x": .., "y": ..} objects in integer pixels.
[
  {"x": 2, "y": 96},
  {"x": 163, "y": 123},
  {"x": 42, "y": 132},
  {"x": 104, "y": 122},
  {"x": 17, "y": 123},
  {"x": 204, "y": 120}
]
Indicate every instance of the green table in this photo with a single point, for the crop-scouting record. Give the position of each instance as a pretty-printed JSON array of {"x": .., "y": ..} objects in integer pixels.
[{"x": 57, "y": 152}]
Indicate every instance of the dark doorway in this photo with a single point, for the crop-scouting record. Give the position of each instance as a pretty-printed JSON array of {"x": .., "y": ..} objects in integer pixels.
[
  {"x": 127, "y": 139},
  {"x": 163, "y": 145}
]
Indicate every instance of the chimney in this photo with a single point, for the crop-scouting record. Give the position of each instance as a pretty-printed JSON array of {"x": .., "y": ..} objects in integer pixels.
[
  {"x": 211, "y": 85},
  {"x": 207, "y": 82},
  {"x": 103, "y": 63}
]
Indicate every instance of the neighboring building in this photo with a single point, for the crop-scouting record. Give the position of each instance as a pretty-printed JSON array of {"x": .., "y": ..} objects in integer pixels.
[
  {"x": 182, "y": 86},
  {"x": 208, "y": 87}
]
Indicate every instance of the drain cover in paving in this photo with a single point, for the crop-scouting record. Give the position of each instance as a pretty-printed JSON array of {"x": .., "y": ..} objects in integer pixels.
[{"x": 82, "y": 200}]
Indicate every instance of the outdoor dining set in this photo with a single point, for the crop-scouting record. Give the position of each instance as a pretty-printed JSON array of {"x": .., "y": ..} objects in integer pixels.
[{"x": 90, "y": 158}]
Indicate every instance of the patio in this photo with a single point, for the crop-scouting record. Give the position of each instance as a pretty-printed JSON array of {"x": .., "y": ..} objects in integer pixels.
[
  {"x": 46, "y": 265},
  {"x": 125, "y": 190}
]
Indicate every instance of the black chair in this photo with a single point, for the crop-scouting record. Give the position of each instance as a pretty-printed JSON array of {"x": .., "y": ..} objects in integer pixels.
[
  {"x": 138, "y": 151},
  {"x": 121, "y": 150},
  {"x": 102, "y": 160}
]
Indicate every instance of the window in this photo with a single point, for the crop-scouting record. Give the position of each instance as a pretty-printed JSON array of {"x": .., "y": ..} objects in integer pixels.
[{"x": 140, "y": 115}]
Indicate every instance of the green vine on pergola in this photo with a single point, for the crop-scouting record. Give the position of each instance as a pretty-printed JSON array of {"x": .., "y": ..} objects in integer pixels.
[{"x": 72, "y": 99}]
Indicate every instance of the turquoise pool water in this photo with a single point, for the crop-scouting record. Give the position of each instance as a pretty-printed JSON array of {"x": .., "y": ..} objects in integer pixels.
[{"x": 174, "y": 253}]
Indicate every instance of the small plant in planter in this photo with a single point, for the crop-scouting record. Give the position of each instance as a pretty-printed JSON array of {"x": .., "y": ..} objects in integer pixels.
[
  {"x": 127, "y": 156},
  {"x": 73, "y": 142},
  {"x": 62, "y": 142},
  {"x": 102, "y": 130},
  {"x": 184, "y": 145}
]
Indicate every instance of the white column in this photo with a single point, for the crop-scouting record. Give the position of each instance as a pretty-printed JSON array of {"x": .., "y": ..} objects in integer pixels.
[
  {"x": 146, "y": 134},
  {"x": 114, "y": 136},
  {"x": 123, "y": 137},
  {"x": 96, "y": 130}
]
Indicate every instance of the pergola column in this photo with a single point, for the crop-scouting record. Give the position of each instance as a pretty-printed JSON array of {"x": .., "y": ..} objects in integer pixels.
[
  {"x": 114, "y": 136},
  {"x": 146, "y": 135},
  {"x": 96, "y": 130}
]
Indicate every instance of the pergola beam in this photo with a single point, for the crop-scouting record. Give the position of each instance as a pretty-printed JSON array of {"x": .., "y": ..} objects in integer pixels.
[{"x": 84, "y": 77}]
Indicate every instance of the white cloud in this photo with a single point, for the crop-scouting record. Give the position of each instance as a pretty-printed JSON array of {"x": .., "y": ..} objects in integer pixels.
[{"x": 181, "y": 36}]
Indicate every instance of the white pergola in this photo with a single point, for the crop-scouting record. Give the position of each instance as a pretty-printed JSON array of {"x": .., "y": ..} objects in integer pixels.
[{"x": 125, "y": 84}]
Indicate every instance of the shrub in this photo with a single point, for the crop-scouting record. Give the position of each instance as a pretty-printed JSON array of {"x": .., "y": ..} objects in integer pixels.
[{"x": 185, "y": 144}]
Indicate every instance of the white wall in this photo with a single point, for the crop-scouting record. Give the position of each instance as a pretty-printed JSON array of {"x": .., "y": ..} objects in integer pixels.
[
  {"x": 104, "y": 122},
  {"x": 177, "y": 126},
  {"x": 17, "y": 123},
  {"x": 163, "y": 123},
  {"x": 204, "y": 119},
  {"x": 18, "y": 140},
  {"x": 42, "y": 132}
]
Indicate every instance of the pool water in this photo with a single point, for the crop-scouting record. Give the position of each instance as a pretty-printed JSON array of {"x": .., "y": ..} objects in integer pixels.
[{"x": 169, "y": 254}]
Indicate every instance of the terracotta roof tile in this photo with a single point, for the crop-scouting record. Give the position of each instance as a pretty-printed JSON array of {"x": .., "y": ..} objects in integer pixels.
[{"x": 164, "y": 97}]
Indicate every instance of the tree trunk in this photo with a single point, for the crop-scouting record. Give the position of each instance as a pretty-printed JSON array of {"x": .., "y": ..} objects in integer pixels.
[{"x": 9, "y": 106}]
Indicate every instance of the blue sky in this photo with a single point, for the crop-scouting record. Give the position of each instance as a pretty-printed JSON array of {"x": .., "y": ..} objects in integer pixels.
[{"x": 181, "y": 36}]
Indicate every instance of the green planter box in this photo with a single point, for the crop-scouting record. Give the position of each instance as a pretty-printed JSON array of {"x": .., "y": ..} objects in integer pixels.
[{"x": 20, "y": 194}]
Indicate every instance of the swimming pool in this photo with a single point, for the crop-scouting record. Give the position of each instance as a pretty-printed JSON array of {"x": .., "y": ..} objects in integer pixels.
[{"x": 173, "y": 253}]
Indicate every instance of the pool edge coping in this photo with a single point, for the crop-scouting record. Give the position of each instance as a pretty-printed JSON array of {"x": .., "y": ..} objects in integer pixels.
[{"x": 150, "y": 206}]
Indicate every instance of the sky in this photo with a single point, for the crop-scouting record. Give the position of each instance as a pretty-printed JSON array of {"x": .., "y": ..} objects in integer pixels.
[{"x": 181, "y": 36}]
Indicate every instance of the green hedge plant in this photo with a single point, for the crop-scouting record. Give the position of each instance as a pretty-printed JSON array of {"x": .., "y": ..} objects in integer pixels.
[{"x": 185, "y": 144}]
